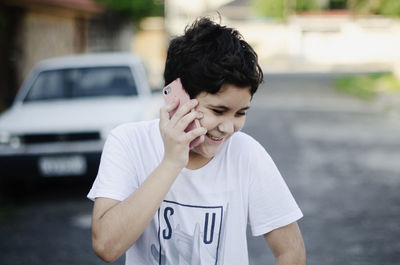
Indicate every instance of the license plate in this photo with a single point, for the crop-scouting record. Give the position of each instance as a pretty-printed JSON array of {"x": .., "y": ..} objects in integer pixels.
[{"x": 62, "y": 166}]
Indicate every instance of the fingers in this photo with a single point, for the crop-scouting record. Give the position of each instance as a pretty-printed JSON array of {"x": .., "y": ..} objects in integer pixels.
[
  {"x": 183, "y": 110},
  {"x": 174, "y": 129},
  {"x": 179, "y": 118},
  {"x": 172, "y": 105},
  {"x": 165, "y": 110},
  {"x": 198, "y": 132},
  {"x": 197, "y": 141},
  {"x": 186, "y": 120}
]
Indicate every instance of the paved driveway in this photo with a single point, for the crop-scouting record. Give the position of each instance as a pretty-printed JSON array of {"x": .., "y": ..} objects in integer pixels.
[{"x": 339, "y": 156}]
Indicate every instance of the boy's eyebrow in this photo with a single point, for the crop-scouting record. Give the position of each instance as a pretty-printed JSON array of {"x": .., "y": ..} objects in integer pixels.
[{"x": 225, "y": 107}]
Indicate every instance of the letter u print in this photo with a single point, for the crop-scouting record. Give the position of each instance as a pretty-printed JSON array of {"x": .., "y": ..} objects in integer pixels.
[{"x": 211, "y": 236}]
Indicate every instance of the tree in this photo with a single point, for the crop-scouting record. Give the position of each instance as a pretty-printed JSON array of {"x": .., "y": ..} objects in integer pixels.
[
  {"x": 376, "y": 7},
  {"x": 135, "y": 9},
  {"x": 390, "y": 8},
  {"x": 270, "y": 8},
  {"x": 280, "y": 9},
  {"x": 337, "y": 4}
]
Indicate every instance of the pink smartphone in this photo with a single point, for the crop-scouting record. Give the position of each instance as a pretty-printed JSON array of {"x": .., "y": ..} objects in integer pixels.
[{"x": 173, "y": 91}]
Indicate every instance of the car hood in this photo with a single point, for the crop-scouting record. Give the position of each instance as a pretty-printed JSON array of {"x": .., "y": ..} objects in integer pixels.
[{"x": 78, "y": 115}]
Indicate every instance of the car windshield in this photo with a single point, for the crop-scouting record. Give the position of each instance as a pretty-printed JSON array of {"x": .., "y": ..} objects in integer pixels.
[{"x": 82, "y": 82}]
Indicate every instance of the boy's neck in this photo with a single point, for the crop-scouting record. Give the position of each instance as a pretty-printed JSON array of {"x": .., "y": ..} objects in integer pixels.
[{"x": 197, "y": 161}]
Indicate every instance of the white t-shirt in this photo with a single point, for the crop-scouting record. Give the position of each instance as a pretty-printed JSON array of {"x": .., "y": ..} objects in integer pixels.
[{"x": 203, "y": 218}]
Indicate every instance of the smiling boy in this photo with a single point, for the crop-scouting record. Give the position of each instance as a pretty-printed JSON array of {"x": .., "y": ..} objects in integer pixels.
[{"x": 162, "y": 202}]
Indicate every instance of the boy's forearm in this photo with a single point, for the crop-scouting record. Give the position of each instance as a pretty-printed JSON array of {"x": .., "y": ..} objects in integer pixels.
[
  {"x": 287, "y": 245},
  {"x": 291, "y": 259},
  {"x": 145, "y": 201},
  {"x": 119, "y": 227}
]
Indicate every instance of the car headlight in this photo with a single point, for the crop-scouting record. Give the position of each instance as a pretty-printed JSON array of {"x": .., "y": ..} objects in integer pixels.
[{"x": 5, "y": 137}]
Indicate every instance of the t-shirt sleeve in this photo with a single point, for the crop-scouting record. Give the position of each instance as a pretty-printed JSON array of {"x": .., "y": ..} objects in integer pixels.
[
  {"x": 271, "y": 204},
  {"x": 116, "y": 178}
]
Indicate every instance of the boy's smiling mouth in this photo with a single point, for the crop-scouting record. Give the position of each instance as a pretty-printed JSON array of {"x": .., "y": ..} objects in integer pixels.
[{"x": 214, "y": 138}]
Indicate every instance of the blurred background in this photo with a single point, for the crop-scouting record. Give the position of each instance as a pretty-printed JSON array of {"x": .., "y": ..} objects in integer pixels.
[
  {"x": 287, "y": 34},
  {"x": 328, "y": 112}
]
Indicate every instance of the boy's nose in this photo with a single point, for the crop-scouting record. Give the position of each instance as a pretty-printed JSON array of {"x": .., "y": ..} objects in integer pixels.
[{"x": 226, "y": 126}]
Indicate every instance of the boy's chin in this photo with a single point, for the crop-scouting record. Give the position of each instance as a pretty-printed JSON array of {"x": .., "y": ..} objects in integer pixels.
[{"x": 204, "y": 151}]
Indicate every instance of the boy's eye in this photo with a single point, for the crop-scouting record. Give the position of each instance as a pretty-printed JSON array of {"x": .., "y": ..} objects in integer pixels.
[
  {"x": 220, "y": 112},
  {"x": 217, "y": 111}
]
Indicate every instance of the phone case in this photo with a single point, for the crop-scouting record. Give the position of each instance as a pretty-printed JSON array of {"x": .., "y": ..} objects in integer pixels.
[{"x": 174, "y": 91}]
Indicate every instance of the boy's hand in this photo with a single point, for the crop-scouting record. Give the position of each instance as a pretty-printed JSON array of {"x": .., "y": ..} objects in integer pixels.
[{"x": 176, "y": 140}]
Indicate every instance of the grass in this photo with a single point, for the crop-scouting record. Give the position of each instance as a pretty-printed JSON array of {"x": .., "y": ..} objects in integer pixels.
[{"x": 368, "y": 86}]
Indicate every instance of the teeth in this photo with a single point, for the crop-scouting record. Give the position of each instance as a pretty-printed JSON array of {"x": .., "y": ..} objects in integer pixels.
[{"x": 214, "y": 138}]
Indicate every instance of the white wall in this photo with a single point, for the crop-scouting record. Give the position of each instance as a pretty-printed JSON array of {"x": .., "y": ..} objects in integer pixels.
[{"x": 323, "y": 41}]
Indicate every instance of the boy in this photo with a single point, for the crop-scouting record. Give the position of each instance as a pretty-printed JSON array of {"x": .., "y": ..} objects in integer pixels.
[{"x": 164, "y": 202}]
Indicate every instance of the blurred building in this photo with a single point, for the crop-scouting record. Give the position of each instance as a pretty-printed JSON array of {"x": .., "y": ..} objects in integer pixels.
[
  {"x": 151, "y": 43},
  {"x": 316, "y": 40},
  {"x": 32, "y": 30}
]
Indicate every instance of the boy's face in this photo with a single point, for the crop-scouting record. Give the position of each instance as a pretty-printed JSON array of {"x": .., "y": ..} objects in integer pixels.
[{"x": 224, "y": 114}]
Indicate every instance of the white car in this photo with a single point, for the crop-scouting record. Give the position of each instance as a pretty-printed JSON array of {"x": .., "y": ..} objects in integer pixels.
[{"x": 64, "y": 110}]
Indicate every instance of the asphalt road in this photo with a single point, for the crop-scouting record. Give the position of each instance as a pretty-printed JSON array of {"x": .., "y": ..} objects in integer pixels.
[{"x": 340, "y": 157}]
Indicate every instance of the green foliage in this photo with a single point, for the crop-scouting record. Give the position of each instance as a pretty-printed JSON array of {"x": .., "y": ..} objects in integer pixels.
[
  {"x": 364, "y": 7},
  {"x": 304, "y": 5},
  {"x": 360, "y": 87},
  {"x": 270, "y": 8},
  {"x": 379, "y": 7},
  {"x": 367, "y": 87},
  {"x": 279, "y": 9},
  {"x": 337, "y": 4},
  {"x": 390, "y": 8},
  {"x": 135, "y": 9}
]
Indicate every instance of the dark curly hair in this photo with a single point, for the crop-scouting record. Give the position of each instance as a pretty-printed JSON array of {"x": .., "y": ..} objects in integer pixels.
[{"x": 209, "y": 55}]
